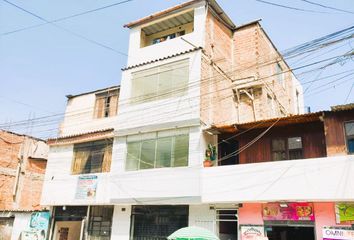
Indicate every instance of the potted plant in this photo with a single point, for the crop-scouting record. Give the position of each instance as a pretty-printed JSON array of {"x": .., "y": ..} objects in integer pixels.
[{"x": 210, "y": 156}]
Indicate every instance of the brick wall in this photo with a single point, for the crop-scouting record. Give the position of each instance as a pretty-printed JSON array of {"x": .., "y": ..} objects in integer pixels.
[
  {"x": 217, "y": 105},
  {"x": 30, "y": 179},
  {"x": 245, "y": 56}
]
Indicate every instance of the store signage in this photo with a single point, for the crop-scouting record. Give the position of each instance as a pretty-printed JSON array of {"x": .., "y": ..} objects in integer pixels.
[
  {"x": 288, "y": 211},
  {"x": 337, "y": 234},
  {"x": 86, "y": 187},
  {"x": 38, "y": 227},
  {"x": 252, "y": 232},
  {"x": 345, "y": 213}
]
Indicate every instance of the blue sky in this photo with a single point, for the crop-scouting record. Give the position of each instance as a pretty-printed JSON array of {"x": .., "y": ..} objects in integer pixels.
[{"x": 40, "y": 66}]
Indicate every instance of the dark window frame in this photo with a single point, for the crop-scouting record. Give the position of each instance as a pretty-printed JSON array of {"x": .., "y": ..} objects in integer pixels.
[
  {"x": 100, "y": 226},
  {"x": 287, "y": 150},
  {"x": 346, "y": 136},
  {"x": 156, "y": 220}
]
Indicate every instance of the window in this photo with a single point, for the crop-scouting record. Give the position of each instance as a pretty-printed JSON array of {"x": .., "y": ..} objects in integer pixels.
[
  {"x": 106, "y": 104},
  {"x": 100, "y": 222},
  {"x": 157, "y": 151},
  {"x": 92, "y": 157},
  {"x": 168, "y": 37},
  {"x": 280, "y": 75},
  {"x": 169, "y": 80},
  {"x": 349, "y": 135},
  {"x": 287, "y": 148},
  {"x": 157, "y": 222}
]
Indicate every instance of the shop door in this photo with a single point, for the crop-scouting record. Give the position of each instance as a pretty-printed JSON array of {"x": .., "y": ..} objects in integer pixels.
[
  {"x": 227, "y": 224},
  {"x": 6, "y": 228},
  {"x": 290, "y": 233},
  {"x": 67, "y": 230}
]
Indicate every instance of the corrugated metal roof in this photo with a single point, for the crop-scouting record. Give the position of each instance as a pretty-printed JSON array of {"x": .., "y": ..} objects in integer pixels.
[
  {"x": 160, "y": 59},
  {"x": 169, "y": 23},
  {"x": 294, "y": 119},
  {"x": 94, "y": 91},
  {"x": 214, "y": 5},
  {"x": 344, "y": 107},
  {"x": 65, "y": 139}
]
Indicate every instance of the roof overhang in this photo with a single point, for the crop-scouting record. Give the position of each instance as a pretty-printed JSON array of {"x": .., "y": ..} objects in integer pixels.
[{"x": 215, "y": 7}]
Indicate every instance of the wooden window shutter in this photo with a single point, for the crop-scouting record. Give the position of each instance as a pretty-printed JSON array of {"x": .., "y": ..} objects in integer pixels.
[
  {"x": 99, "y": 111},
  {"x": 107, "y": 159},
  {"x": 113, "y": 105}
]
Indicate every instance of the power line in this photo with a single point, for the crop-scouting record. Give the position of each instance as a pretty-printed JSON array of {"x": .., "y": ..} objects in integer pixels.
[
  {"x": 328, "y": 7},
  {"x": 65, "y": 18},
  {"x": 66, "y": 30},
  {"x": 289, "y": 7},
  {"x": 351, "y": 88}
]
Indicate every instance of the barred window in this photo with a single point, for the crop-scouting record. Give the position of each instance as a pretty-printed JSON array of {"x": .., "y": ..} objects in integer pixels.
[{"x": 100, "y": 222}]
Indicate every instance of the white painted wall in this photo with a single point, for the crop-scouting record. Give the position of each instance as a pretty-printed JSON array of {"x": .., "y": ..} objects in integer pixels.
[
  {"x": 21, "y": 222},
  {"x": 60, "y": 186},
  {"x": 314, "y": 180},
  {"x": 139, "y": 55},
  {"x": 155, "y": 186},
  {"x": 121, "y": 223},
  {"x": 79, "y": 116},
  {"x": 297, "y": 87},
  {"x": 173, "y": 111},
  {"x": 202, "y": 216}
]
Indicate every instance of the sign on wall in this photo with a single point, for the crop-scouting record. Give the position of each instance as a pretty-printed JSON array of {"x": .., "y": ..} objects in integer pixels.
[
  {"x": 345, "y": 213},
  {"x": 252, "y": 232},
  {"x": 86, "y": 187},
  {"x": 38, "y": 227},
  {"x": 288, "y": 211},
  {"x": 337, "y": 234}
]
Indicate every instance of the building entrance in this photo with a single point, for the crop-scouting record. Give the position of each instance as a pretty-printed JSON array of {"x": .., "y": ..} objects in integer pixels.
[{"x": 290, "y": 232}]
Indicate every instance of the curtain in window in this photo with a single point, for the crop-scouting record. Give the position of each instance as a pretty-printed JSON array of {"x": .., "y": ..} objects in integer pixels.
[
  {"x": 81, "y": 158},
  {"x": 107, "y": 159},
  {"x": 99, "y": 107},
  {"x": 113, "y": 107},
  {"x": 160, "y": 82}
]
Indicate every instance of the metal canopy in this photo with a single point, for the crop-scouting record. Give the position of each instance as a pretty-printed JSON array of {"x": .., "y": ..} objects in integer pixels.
[{"x": 169, "y": 23}]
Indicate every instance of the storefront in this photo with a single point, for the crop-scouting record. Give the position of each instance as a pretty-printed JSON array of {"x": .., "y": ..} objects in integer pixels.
[{"x": 277, "y": 221}]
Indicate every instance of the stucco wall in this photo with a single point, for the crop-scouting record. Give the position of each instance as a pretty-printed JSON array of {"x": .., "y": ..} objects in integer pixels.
[{"x": 79, "y": 116}]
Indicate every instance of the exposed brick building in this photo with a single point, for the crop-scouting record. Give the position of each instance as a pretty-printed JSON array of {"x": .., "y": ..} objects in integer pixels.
[{"x": 23, "y": 161}]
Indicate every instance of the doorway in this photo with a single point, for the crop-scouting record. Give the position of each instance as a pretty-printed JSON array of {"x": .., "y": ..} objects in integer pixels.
[
  {"x": 67, "y": 230},
  {"x": 227, "y": 224},
  {"x": 290, "y": 232},
  {"x": 227, "y": 148}
]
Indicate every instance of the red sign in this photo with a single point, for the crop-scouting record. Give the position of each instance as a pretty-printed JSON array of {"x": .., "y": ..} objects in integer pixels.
[{"x": 288, "y": 211}]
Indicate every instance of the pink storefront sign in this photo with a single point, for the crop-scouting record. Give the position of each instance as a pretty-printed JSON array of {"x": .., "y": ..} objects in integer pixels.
[
  {"x": 288, "y": 211},
  {"x": 337, "y": 234}
]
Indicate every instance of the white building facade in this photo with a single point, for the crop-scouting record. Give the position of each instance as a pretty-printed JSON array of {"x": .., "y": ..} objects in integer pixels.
[{"x": 128, "y": 163}]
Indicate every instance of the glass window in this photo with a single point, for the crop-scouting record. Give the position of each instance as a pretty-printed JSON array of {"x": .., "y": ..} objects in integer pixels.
[
  {"x": 163, "y": 151},
  {"x": 92, "y": 157},
  {"x": 349, "y": 134},
  {"x": 160, "y": 82},
  {"x": 287, "y": 148}
]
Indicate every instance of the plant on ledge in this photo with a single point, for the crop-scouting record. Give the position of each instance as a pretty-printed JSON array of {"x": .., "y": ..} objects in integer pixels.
[{"x": 210, "y": 156}]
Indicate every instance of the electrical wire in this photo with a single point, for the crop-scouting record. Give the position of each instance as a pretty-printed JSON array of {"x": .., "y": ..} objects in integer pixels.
[
  {"x": 289, "y": 7},
  {"x": 66, "y": 30},
  {"x": 65, "y": 18},
  {"x": 328, "y": 7}
]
